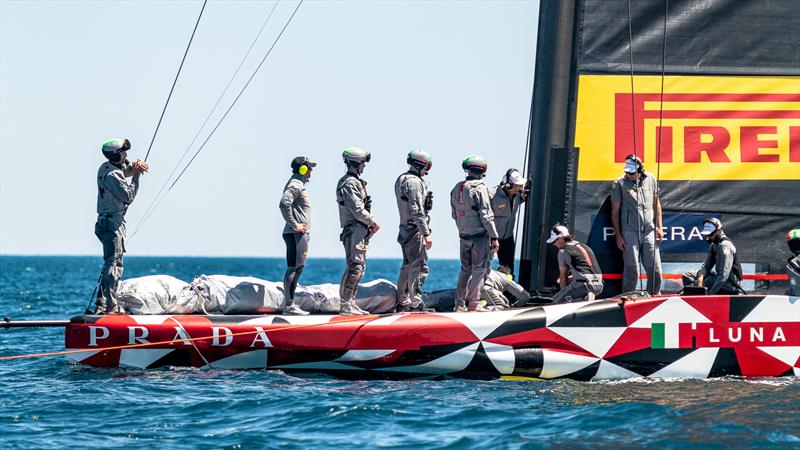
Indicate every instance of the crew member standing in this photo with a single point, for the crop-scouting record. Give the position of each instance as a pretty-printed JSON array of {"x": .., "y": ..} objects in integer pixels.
[
  {"x": 636, "y": 217},
  {"x": 472, "y": 210},
  {"x": 721, "y": 271},
  {"x": 506, "y": 199},
  {"x": 793, "y": 264},
  {"x": 579, "y": 273},
  {"x": 358, "y": 225},
  {"x": 114, "y": 194},
  {"x": 414, "y": 202},
  {"x": 296, "y": 210}
]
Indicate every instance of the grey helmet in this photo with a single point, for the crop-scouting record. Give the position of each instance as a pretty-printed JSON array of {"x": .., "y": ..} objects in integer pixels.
[
  {"x": 355, "y": 157},
  {"x": 420, "y": 159},
  {"x": 114, "y": 146}
]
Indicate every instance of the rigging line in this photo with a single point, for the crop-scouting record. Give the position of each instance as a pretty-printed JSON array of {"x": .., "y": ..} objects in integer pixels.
[
  {"x": 208, "y": 117},
  {"x": 639, "y": 201},
  {"x": 660, "y": 127},
  {"x": 176, "y": 80},
  {"x": 528, "y": 176},
  {"x": 202, "y": 146}
]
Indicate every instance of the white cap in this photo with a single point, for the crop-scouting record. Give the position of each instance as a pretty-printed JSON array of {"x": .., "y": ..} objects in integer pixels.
[
  {"x": 708, "y": 228},
  {"x": 558, "y": 231},
  {"x": 630, "y": 166},
  {"x": 516, "y": 178}
]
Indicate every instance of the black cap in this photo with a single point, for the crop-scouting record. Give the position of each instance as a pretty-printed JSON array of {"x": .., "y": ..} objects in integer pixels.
[{"x": 302, "y": 160}]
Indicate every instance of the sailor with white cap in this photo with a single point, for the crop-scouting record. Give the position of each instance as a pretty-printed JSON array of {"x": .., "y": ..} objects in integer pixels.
[
  {"x": 721, "y": 271},
  {"x": 506, "y": 199},
  {"x": 636, "y": 217},
  {"x": 579, "y": 277}
]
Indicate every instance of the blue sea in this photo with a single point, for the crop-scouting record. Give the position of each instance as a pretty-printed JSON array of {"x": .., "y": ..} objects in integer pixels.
[{"x": 49, "y": 403}]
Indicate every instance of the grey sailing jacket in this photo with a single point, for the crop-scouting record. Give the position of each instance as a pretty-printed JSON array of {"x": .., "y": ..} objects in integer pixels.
[
  {"x": 721, "y": 255},
  {"x": 114, "y": 192},
  {"x": 505, "y": 211},
  {"x": 472, "y": 210},
  {"x": 351, "y": 194},
  {"x": 635, "y": 203},
  {"x": 410, "y": 192},
  {"x": 294, "y": 205}
]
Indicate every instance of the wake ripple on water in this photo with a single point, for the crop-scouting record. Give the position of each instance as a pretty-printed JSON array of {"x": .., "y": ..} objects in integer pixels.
[{"x": 48, "y": 403}]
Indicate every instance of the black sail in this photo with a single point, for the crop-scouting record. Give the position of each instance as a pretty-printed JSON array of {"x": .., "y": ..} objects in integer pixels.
[{"x": 714, "y": 112}]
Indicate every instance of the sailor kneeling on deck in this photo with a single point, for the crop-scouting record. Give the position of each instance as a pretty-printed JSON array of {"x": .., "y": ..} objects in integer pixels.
[
  {"x": 721, "y": 271},
  {"x": 498, "y": 287},
  {"x": 579, "y": 273}
]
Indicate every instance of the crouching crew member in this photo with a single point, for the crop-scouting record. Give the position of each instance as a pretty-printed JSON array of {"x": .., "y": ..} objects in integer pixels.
[
  {"x": 414, "y": 202},
  {"x": 114, "y": 194},
  {"x": 579, "y": 273},
  {"x": 358, "y": 225},
  {"x": 296, "y": 210},
  {"x": 495, "y": 288},
  {"x": 721, "y": 272},
  {"x": 793, "y": 264},
  {"x": 506, "y": 199},
  {"x": 636, "y": 217},
  {"x": 471, "y": 208}
]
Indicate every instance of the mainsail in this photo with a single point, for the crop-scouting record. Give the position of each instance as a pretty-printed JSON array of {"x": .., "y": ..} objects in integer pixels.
[{"x": 706, "y": 93}]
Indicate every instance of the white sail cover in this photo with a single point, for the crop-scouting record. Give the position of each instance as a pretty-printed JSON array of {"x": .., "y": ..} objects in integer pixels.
[{"x": 223, "y": 294}]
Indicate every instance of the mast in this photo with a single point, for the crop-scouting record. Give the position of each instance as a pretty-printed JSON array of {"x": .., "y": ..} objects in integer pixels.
[{"x": 550, "y": 139}]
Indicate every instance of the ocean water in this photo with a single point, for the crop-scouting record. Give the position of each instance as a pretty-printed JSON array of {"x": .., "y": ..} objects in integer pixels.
[{"x": 48, "y": 403}]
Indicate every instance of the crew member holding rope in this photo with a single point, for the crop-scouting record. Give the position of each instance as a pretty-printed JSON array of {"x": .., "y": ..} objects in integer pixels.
[
  {"x": 636, "y": 217},
  {"x": 506, "y": 198},
  {"x": 114, "y": 195},
  {"x": 358, "y": 225},
  {"x": 296, "y": 211},
  {"x": 414, "y": 202}
]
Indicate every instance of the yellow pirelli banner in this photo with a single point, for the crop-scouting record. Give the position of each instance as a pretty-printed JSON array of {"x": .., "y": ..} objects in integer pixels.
[{"x": 702, "y": 128}]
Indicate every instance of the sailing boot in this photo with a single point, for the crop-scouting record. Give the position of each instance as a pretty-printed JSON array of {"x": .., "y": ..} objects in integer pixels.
[
  {"x": 294, "y": 310},
  {"x": 476, "y": 307},
  {"x": 404, "y": 306},
  {"x": 351, "y": 309}
]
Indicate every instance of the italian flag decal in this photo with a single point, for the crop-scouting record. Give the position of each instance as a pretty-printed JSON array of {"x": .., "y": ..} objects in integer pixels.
[{"x": 664, "y": 335}]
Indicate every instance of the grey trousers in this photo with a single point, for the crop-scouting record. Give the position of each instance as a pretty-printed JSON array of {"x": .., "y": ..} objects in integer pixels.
[
  {"x": 113, "y": 240},
  {"x": 650, "y": 256},
  {"x": 476, "y": 260},
  {"x": 413, "y": 272},
  {"x": 578, "y": 291},
  {"x": 354, "y": 239}
]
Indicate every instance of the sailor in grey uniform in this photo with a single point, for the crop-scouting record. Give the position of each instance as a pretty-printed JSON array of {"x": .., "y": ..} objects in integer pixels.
[
  {"x": 506, "y": 200},
  {"x": 793, "y": 263},
  {"x": 580, "y": 277},
  {"x": 721, "y": 271},
  {"x": 636, "y": 217},
  {"x": 358, "y": 225},
  {"x": 472, "y": 210},
  {"x": 495, "y": 288},
  {"x": 296, "y": 211},
  {"x": 114, "y": 194},
  {"x": 414, "y": 202}
]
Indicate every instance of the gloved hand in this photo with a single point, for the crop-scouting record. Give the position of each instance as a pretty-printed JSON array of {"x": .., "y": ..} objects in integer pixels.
[{"x": 140, "y": 166}]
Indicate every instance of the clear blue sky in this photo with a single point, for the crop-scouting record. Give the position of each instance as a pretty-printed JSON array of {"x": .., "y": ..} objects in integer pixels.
[{"x": 449, "y": 77}]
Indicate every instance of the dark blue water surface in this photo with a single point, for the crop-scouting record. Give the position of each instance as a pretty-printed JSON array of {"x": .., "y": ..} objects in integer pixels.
[{"x": 47, "y": 402}]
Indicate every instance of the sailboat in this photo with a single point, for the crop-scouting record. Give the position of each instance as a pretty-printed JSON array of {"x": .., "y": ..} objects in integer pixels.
[{"x": 712, "y": 109}]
